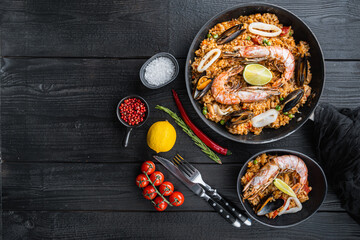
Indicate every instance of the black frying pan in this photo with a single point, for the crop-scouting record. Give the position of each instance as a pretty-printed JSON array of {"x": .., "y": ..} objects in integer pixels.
[
  {"x": 317, "y": 181},
  {"x": 302, "y": 32}
]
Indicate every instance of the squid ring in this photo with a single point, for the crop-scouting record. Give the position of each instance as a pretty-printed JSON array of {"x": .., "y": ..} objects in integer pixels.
[
  {"x": 253, "y": 28},
  {"x": 216, "y": 52}
]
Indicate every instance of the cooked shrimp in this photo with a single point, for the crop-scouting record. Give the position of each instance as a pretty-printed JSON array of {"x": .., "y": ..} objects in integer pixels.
[
  {"x": 263, "y": 178},
  {"x": 225, "y": 95},
  {"x": 259, "y": 53}
]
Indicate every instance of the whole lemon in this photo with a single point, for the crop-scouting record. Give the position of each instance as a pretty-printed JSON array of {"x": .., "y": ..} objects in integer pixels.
[{"x": 161, "y": 136}]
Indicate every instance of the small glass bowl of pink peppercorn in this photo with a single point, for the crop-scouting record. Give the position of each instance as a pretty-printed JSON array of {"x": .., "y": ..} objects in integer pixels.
[{"x": 132, "y": 111}]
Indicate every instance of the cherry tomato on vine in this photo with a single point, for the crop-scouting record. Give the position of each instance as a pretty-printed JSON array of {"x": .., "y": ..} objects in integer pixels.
[
  {"x": 142, "y": 181},
  {"x": 148, "y": 167},
  {"x": 149, "y": 192},
  {"x": 176, "y": 199},
  {"x": 157, "y": 178},
  {"x": 160, "y": 204},
  {"x": 166, "y": 188}
]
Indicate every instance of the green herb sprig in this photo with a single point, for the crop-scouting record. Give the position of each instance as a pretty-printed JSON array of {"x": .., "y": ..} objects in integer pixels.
[{"x": 191, "y": 134}]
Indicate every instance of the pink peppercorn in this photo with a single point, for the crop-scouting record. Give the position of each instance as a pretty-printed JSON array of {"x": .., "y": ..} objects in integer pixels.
[{"x": 132, "y": 111}]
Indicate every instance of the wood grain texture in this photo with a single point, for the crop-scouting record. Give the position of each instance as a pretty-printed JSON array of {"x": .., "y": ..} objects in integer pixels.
[
  {"x": 342, "y": 84},
  {"x": 1, "y": 198},
  {"x": 142, "y": 28},
  {"x": 84, "y": 28},
  {"x": 64, "y": 172},
  {"x": 76, "y": 186},
  {"x": 185, "y": 225},
  {"x": 64, "y": 110}
]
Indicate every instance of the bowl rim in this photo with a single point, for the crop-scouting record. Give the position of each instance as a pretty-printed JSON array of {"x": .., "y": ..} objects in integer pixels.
[
  {"x": 290, "y": 152},
  {"x": 157, "y": 55},
  {"x": 189, "y": 87}
]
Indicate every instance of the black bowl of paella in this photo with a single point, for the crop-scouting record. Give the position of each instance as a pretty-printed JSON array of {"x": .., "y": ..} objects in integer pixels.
[
  {"x": 254, "y": 73},
  {"x": 281, "y": 188}
]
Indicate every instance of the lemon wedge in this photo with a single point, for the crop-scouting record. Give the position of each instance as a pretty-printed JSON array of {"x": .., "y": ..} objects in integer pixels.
[
  {"x": 257, "y": 74},
  {"x": 282, "y": 186}
]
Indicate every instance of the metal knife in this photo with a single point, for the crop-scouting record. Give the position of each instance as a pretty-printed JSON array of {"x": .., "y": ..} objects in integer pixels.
[{"x": 198, "y": 190}]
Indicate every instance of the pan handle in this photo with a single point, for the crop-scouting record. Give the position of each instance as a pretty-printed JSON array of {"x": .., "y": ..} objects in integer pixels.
[
  {"x": 312, "y": 116},
  {"x": 127, "y": 136}
]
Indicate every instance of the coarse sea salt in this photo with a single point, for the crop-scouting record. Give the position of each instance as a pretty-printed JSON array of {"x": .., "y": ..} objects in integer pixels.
[{"x": 159, "y": 71}]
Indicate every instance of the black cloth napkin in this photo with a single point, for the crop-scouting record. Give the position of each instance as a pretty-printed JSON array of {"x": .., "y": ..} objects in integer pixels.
[{"x": 337, "y": 134}]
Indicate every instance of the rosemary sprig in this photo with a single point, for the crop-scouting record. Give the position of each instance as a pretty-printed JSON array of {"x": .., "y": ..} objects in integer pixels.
[{"x": 191, "y": 134}]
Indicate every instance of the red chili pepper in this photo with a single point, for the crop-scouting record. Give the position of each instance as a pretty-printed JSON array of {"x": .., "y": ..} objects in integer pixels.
[
  {"x": 285, "y": 31},
  {"x": 210, "y": 143}
]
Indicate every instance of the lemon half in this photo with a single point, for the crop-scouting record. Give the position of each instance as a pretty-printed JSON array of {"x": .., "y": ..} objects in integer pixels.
[
  {"x": 257, "y": 74},
  {"x": 161, "y": 136}
]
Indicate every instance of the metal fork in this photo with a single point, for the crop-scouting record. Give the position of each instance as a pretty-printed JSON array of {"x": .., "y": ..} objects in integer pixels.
[
  {"x": 194, "y": 176},
  {"x": 191, "y": 172}
]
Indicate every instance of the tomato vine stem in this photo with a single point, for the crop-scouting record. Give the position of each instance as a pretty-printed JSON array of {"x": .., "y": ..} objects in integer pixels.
[{"x": 157, "y": 191}]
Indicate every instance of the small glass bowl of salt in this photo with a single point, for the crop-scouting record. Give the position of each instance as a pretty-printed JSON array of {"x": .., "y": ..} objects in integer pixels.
[{"x": 159, "y": 70}]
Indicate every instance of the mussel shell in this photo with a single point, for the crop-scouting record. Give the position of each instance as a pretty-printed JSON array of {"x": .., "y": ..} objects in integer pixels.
[
  {"x": 292, "y": 99},
  {"x": 239, "y": 117},
  {"x": 206, "y": 79},
  {"x": 197, "y": 95},
  {"x": 270, "y": 205},
  {"x": 230, "y": 34},
  {"x": 301, "y": 71}
]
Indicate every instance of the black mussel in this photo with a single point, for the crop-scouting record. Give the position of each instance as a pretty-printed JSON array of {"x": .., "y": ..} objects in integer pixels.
[
  {"x": 239, "y": 117},
  {"x": 292, "y": 99},
  {"x": 301, "y": 71},
  {"x": 269, "y": 205},
  {"x": 202, "y": 86},
  {"x": 230, "y": 34}
]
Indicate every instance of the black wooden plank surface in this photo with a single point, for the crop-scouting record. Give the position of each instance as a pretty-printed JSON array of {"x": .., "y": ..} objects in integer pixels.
[
  {"x": 1, "y": 198},
  {"x": 64, "y": 110},
  {"x": 84, "y": 28},
  {"x": 67, "y": 63},
  {"x": 110, "y": 186},
  {"x": 165, "y": 225},
  {"x": 142, "y": 28}
]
